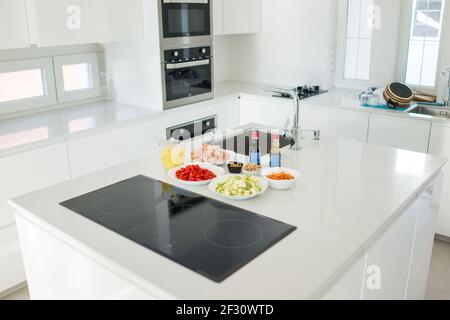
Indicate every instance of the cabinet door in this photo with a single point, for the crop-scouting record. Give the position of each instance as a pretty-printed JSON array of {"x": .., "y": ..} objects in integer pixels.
[
  {"x": 23, "y": 173},
  {"x": 217, "y": 16},
  {"x": 388, "y": 260},
  {"x": 13, "y": 24},
  {"x": 424, "y": 241},
  {"x": 68, "y": 22},
  {"x": 340, "y": 124},
  {"x": 349, "y": 286},
  {"x": 242, "y": 16},
  {"x": 71, "y": 275},
  {"x": 113, "y": 147},
  {"x": 11, "y": 265},
  {"x": 399, "y": 133},
  {"x": 440, "y": 145}
]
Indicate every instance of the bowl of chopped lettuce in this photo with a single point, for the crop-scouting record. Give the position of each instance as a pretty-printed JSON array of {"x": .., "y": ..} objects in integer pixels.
[{"x": 239, "y": 187}]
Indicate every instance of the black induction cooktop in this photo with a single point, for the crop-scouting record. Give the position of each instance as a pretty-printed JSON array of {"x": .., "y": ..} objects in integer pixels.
[{"x": 208, "y": 237}]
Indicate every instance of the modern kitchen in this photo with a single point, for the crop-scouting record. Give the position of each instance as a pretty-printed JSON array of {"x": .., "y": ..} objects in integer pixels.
[{"x": 224, "y": 150}]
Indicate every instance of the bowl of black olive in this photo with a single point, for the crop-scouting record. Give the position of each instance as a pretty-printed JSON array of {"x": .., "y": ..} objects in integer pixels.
[{"x": 235, "y": 167}]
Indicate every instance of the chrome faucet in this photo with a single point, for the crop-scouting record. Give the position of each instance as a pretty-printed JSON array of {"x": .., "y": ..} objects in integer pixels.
[{"x": 296, "y": 131}]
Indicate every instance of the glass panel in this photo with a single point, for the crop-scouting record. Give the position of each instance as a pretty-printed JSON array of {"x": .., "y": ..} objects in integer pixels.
[
  {"x": 430, "y": 62},
  {"x": 359, "y": 39},
  {"x": 415, "y": 58},
  {"x": 351, "y": 59},
  {"x": 364, "y": 54},
  {"x": 76, "y": 77},
  {"x": 19, "y": 85},
  {"x": 353, "y": 18},
  {"x": 423, "y": 55}
]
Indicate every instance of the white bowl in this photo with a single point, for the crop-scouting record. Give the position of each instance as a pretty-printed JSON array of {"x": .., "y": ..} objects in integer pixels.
[
  {"x": 280, "y": 184},
  {"x": 213, "y": 185},
  {"x": 214, "y": 169}
]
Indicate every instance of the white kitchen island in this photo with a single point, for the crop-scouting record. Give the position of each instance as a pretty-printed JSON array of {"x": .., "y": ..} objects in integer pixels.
[{"x": 366, "y": 218}]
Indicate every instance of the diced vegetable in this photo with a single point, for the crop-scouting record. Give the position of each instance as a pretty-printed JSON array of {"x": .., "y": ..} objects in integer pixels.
[
  {"x": 280, "y": 176},
  {"x": 239, "y": 186},
  {"x": 195, "y": 173}
]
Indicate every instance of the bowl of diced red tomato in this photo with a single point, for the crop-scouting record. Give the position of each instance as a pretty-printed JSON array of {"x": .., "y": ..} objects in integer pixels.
[{"x": 196, "y": 174}]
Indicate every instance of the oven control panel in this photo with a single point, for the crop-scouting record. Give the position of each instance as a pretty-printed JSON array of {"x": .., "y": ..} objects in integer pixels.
[{"x": 187, "y": 54}]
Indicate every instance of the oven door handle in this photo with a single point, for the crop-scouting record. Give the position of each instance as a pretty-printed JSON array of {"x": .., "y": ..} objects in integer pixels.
[
  {"x": 174, "y": 66},
  {"x": 187, "y": 1}
]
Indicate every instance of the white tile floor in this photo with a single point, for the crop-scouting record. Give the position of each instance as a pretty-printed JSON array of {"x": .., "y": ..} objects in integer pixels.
[
  {"x": 439, "y": 280},
  {"x": 438, "y": 283}
]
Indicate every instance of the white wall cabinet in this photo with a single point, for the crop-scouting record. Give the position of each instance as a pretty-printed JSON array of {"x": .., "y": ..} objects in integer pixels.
[
  {"x": 13, "y": 24},
  {"x": 440, "y": 145},
  {"x": 396, "y": 132},
  {"x": 20, "y": 174},
  {"x": 71, "y": 22},
  {"x": 237, "y": 16}
]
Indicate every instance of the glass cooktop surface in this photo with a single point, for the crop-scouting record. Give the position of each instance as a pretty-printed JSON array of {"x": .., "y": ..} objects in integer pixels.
[{"x": 208, "y": 237}]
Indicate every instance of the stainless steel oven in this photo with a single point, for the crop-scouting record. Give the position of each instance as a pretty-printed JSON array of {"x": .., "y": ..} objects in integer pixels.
[
  {"x": 187, "y": 75},
  {"x": 185, "y": 21}
]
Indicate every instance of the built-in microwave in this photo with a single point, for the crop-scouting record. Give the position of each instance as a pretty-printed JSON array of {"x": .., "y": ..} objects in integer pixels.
[
  {"x": 185, "y": 21},
  {"x": 187, "y": 75}
]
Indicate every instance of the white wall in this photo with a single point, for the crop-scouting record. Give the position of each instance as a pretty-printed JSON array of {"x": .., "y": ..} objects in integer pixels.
[{"x": 294, "y": 48}]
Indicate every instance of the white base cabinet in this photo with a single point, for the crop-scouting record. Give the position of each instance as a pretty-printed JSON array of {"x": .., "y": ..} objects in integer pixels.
[
  {"x": 11, "y": 266},
  {"x": 396, "y": 132},
  {"x": 20, "y": 174},
  {"x": 71, "y": 275},
  {"x": 279, "y": 113},
  {"x": 440, "y": 145},
  {"x": 396, "y": 266}
]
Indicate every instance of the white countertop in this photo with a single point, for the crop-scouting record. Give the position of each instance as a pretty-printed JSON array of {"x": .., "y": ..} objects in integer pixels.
[
  {"x": 26, "y": 132},
  {"x": 348, "y": 194}
]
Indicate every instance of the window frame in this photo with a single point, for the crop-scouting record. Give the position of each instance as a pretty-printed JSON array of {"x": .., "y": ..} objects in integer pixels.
[
  {"x": 341, "y": 52},
  {"x": 404, "y": 43},
  {"x": 404, "y": 47},
  {"x": 50, "y": 97},
  {"x": 359, "y": 39},
  {"x": 89, "y": 93}
]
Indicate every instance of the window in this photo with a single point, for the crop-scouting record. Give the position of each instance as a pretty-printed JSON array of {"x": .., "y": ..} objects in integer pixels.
[
  {"x": 36, "y": 83},
  {"x": 19, "y": 85},
  {"x": 26, "y": 84},
  {"x": 358, "y": 39},
  {"x": 424, "y": 42},
  {"x": 77, "y": 77}
]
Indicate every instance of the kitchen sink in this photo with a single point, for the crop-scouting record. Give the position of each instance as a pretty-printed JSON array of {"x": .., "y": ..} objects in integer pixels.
[
  {"x": 442, "y": 112},
  {"x": 240, "y": 144}
]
